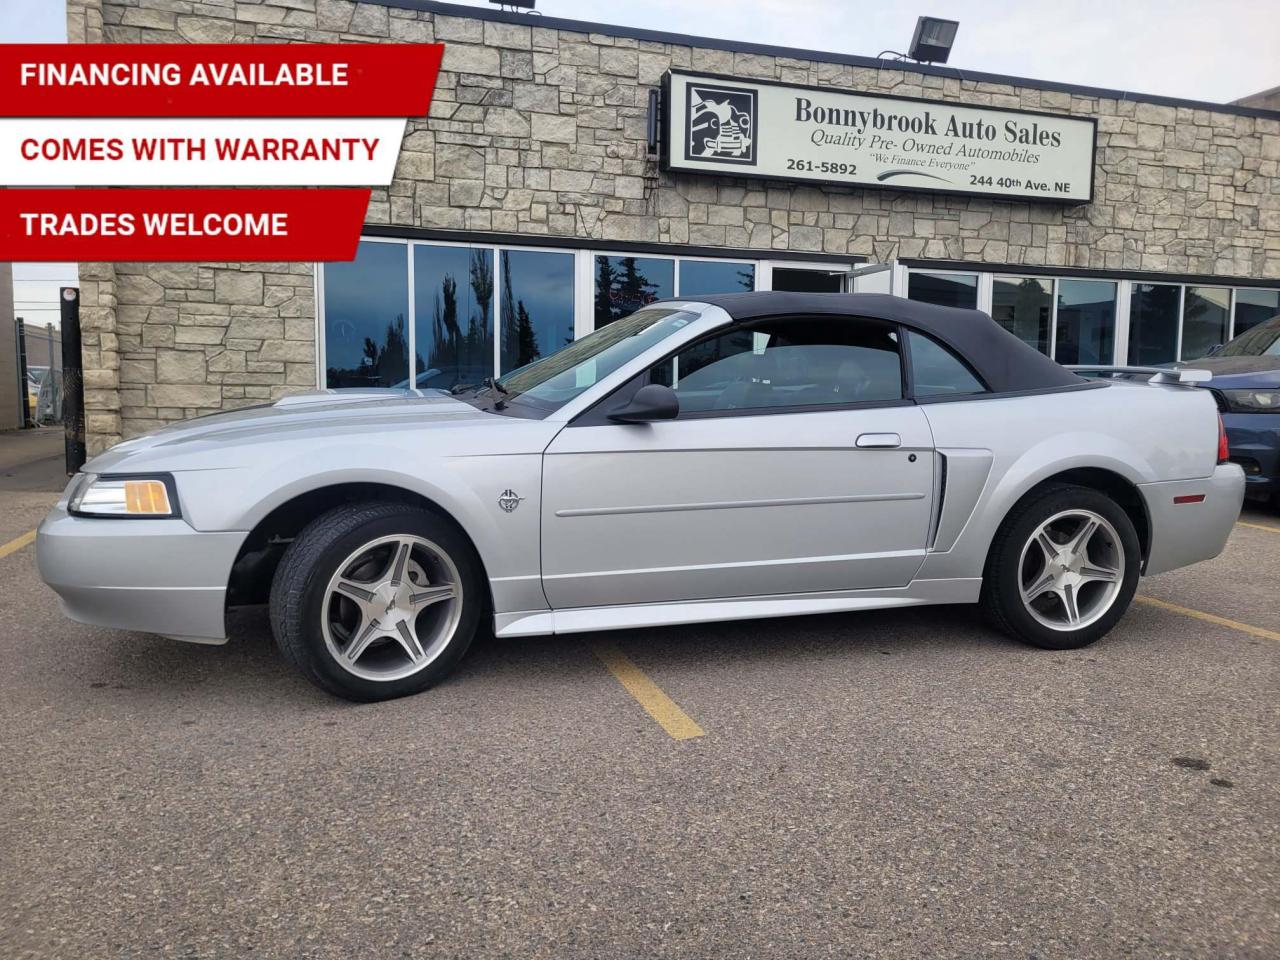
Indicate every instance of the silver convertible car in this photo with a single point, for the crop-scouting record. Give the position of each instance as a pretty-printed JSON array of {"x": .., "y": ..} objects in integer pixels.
[{"x": 745, "y": 456}]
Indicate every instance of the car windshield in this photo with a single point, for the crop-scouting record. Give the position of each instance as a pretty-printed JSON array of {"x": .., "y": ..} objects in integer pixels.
[
  {"x": 1262, "y": 341},
  {"x": 554, "y": 380}
]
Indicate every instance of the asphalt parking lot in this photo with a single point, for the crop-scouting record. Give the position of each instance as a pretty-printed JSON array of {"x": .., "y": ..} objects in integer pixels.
[{"x": 897, "y": 784}]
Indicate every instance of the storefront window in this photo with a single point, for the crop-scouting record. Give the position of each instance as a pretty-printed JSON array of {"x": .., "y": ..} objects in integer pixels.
[
  {"x": 1024, "y": 307},
  {"x": 944, "y": 289},
  {"x": 1153, "y": 323},
  {"x": 807, "y": 280},
  {"x": 1204, "y": 320},
  {"x": 453, "y": 315},
  {"x": 537, "y": 305},
  {"x": 703, "y": 278},
  {"x": 366, "y": 303},
  {"x": 625, "y": 284},
  {"x": 1253, "y": 306},
  {"x": 1086, "y": 321}
]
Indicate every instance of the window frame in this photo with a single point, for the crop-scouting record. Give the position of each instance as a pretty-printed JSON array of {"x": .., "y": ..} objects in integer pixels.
[
  {"x": 1052, "y": 333},
  {"x": 322, "y": 346},
  {"x": 583, "y": 284},
  {"x": 584, "y": 291},
  {"x": 1115, "y": 327},
  {"x": 1182, "y": 312},
  {"x": 1235, "y": 303},
  {"x": 498, "y": 250},
  {"x": 905, "y": 340},
  {"x": 982, "y": 286},
  {"x": 596, "y": 415},
  {"x": 410, "y": 244}
]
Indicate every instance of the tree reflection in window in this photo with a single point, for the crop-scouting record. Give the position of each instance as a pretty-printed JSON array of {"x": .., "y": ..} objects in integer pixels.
[
  {"x": 625, "y": 284},
  {"x": 454, "y": 320},
  {"x": 537, "y": 305},
  {"x": 366, "y": 301}
]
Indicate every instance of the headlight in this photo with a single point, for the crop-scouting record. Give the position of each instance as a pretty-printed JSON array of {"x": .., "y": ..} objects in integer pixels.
[
  {"x": 1253, "y": 401},
  {"x": 115, "y": 496}
]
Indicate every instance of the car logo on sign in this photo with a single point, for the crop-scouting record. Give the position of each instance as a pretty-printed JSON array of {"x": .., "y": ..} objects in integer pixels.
[
  {"x": 720, "y": 124},
  {"x": 509, "y": 500}
]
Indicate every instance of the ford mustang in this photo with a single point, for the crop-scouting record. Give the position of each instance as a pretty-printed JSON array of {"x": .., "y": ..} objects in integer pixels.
[{"x": 738, "y": 457}]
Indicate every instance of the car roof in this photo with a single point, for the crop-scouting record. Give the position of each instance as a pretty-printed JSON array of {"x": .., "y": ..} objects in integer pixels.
[{"x": 1001, "y": 359}]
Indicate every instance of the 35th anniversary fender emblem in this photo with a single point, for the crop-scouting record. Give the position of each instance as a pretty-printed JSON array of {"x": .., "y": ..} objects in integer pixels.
[{"x": 509, "y": 500}]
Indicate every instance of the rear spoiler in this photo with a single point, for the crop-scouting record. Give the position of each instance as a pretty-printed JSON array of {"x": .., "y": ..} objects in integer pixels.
[{"x": 1153, "y": 374}]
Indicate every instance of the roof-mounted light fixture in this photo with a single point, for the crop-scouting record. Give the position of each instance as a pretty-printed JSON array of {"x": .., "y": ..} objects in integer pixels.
[
  {"x": 933, "y": 39},
  {"x": 931, "y": 43},
  {"x": 515, "y": 5}
]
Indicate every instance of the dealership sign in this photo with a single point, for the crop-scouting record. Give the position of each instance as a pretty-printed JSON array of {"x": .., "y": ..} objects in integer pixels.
[{"x": 750, "y": 128}]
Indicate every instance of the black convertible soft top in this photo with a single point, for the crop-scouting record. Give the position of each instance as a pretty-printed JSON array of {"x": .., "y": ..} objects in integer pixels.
[{"x": 1002, "y": 360}]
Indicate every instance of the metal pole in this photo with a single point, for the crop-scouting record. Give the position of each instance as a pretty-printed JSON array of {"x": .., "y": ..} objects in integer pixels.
[
  {"x": 72, "y": 380},
  {"x": 20, "y": 331}
]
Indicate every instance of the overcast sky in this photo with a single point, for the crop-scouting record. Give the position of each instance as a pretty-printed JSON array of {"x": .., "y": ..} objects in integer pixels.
[{"x": 1216, "y": 50}]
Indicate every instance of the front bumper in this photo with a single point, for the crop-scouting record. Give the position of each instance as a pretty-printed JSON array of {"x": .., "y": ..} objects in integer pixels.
[
  {"x": 1186, "y": 533},
  {"x": 153, "y": 576},
  {"x": 1254, "y": 439}
]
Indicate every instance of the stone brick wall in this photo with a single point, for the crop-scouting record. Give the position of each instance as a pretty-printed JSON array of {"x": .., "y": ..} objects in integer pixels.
[
  {"x": 194, "y": 338},
  {"x": 100, "y": 356},
  {"x": 542, "y": 131}
]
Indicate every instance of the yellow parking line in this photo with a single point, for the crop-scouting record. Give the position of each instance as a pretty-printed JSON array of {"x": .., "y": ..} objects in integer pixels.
[
  {"x": 16, "y": 544},
  {"x": 1210, "y": 618},
  {"x": 678, "y": 724},
  {"x": 1257, "y": 526}
]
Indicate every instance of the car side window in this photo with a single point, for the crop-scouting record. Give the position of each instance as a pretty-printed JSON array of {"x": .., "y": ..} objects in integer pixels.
[
  {"x": 787, "y": 362},
  {"x": 936, "y": 371}
]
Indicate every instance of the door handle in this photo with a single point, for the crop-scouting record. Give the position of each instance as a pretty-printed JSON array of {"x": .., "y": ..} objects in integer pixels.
[{"x": 885, "y": 441}]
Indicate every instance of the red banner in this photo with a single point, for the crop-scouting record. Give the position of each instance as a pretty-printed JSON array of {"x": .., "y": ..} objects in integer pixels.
[
  {"x": 218, "y": 79},
  {"x": 181, "y": 224}
]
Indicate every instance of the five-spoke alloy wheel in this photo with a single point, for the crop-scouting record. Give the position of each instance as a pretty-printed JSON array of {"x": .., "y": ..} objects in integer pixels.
[
  {"x": 391, "y": 607},
  {"x": 1071, "y": 569},
  {"x": 380, "y": 600},
  {"x": 1063, "y": 568}
]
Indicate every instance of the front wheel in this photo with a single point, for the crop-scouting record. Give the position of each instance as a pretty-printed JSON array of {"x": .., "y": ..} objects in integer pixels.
[
  {"x": 378, "y": 600},
  {"x": 1062, "y": 569}
]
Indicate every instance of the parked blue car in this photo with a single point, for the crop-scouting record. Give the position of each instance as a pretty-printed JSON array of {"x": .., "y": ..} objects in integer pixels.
[{"x": 1246, "y": 385}]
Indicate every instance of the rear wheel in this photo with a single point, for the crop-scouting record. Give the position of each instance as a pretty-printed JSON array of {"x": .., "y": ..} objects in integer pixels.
[
  {"x": 374, "y": 601},
  {"x": 1063, "y": 568}
]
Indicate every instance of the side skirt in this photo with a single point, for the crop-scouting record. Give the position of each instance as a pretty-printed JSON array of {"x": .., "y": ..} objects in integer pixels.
[{"x": 586, "y": 619}]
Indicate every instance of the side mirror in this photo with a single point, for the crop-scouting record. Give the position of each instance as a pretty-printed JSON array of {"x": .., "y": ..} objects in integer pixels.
[{"x": 652, "y": 402}]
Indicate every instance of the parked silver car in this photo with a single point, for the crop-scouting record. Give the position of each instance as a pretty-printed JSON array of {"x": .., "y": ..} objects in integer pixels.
[{"x": 745, "y": 456}]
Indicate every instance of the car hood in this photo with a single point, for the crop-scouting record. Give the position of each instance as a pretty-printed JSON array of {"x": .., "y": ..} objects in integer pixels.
[
  {"x": 323, "y": 416},
  {"x": 1240, "y": 371}
]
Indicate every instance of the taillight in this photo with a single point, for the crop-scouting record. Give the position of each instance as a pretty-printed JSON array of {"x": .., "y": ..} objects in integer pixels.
[{"x": 1224, "y": 449}]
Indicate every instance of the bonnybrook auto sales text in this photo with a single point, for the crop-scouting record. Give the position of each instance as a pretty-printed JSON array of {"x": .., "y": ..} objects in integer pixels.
[{"x": 925, "y": 124}]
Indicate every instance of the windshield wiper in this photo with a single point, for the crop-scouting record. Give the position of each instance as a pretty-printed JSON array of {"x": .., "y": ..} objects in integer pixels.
[{"x": 489, "y": 385}]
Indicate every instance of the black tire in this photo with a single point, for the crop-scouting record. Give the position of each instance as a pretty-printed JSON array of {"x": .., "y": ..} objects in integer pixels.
[
  {"x": 1001, "y": 599},
  {"x": 300, "y": 586}
]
